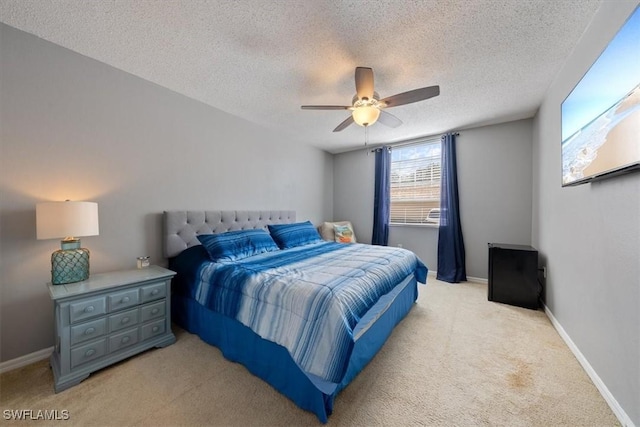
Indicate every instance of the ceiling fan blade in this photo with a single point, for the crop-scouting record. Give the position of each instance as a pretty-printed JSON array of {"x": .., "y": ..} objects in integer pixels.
[
  {"x": 364, "y": 82},
  {"x": 411, "y": 96},
  {"x": 324, "y": 107},
  {"x": 344, "y": 124},
  {"x": 389, "y": 119}
]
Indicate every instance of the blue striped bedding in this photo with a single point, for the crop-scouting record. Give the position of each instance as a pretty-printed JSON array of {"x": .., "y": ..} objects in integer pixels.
[{"x": 307, "y": 299}]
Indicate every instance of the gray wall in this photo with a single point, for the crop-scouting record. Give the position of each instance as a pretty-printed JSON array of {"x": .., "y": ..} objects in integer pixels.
[
  {"x": 75, "y": 128},
  {"x": 590, "y": 236},
  {"x": 494, "y": 181}
]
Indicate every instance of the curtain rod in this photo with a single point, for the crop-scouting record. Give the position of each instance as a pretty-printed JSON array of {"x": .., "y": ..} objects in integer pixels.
[{"x": 412, "y": 141}]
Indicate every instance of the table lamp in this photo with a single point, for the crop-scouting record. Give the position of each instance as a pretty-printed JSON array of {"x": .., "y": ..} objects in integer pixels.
[{"x": 67, "y": 220}]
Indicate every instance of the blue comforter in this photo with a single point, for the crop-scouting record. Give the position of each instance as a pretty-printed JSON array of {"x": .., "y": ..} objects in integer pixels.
[{"x": 307, "y": 299}]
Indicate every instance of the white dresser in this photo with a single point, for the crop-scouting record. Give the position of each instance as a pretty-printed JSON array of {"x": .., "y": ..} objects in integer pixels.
[{"x": 107, "y": 318}]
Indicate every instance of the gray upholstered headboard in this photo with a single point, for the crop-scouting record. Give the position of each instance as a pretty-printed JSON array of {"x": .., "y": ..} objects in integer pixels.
[{"x": 181, "y": 227}]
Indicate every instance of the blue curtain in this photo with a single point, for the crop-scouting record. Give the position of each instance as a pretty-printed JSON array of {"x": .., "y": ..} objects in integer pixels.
[
  {"x": 451, "y": 262},
  {"x": 382, "y": 197}
]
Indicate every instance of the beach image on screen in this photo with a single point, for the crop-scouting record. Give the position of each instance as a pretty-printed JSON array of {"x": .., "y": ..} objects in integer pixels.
[
  {"x": 601, "y": 116},
  {"x": 609, "y": 142}
]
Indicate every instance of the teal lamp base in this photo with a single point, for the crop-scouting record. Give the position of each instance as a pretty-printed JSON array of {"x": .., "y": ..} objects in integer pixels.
[{"x": 69, "y": 264}]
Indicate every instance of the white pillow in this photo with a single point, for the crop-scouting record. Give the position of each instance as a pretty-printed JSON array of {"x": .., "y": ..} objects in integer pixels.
[{"x": 327, "y": 231}]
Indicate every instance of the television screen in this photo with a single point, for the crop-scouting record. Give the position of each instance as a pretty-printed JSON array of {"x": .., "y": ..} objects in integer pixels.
[{"x": 601, "y": 115}]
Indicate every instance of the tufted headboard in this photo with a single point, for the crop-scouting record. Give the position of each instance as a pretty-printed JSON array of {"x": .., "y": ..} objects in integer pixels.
[{"x": 180, "y": 228}]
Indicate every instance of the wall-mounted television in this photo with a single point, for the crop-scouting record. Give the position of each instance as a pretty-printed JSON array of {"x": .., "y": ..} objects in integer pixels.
[{"x": 601, "y": 115}]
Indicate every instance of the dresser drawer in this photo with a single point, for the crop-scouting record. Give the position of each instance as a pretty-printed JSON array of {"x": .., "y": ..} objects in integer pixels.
[
  {"x": 153, "y": 311},
  {"x": 123, "y": 339},
  {"x": 153, "y": 292},
  {"x": 152, "y": 329},
  {"x": 123, "y": 320},
  {"x": 88, "y": 331},
  {"x": 87, "y": 309},
  {"x": 122, "y": 300},
  {"x": 88, "y": 352}
]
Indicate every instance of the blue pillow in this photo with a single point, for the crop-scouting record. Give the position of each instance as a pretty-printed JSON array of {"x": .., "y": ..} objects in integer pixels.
[
  {"x": 236, "y": 245},
  {"x": 292, "y": 235}
]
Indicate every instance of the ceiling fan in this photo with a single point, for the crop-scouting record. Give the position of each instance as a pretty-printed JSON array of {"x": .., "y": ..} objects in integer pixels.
[{"x": 367, "y": 107}]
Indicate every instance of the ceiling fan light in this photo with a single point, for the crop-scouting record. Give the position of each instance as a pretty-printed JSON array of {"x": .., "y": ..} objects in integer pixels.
[{"x": 365, "y": 115}]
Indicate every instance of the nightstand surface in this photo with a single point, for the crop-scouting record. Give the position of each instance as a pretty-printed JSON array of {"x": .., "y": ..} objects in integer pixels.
[{"x": 102, "y": 281}]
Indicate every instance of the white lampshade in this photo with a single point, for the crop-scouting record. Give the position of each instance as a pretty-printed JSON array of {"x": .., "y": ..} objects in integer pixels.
[
  {"x": 66, "y": 219},
  {"x": 365, "y": 115}
]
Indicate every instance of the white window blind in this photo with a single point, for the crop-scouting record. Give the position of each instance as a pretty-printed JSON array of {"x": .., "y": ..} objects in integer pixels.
[{"x": 415, "y": 183}]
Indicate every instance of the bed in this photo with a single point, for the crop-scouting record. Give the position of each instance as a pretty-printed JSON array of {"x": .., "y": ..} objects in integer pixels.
[{"x": 305, "y": 317}]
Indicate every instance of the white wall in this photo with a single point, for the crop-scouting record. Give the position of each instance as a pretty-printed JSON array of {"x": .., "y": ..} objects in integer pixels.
[
  {"x": 75, "y": 128},
  {"x": 353, "y": 185},
  {"x": 494, "y": 183},
  {"x": 590, "y": 236}
]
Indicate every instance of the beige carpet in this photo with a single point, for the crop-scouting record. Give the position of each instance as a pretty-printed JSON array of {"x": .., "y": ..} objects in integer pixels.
[{"x": 456, "y": 359}]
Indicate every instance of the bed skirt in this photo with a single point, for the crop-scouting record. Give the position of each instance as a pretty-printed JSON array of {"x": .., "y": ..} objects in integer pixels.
[{"x": 272, "y": 362}]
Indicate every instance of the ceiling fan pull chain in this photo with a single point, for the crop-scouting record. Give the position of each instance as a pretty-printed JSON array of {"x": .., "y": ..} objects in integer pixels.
[
  {"x": 366, "y": 135},
  {"x": 366, "y": 138}
]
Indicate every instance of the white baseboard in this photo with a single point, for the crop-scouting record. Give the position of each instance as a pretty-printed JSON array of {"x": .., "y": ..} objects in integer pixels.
[
  {"x": 602, "y": 388},
  {"x": 477, "y": 280},
  {"x": 25, "y": 360},
  {"x": 434, "y": 274}
]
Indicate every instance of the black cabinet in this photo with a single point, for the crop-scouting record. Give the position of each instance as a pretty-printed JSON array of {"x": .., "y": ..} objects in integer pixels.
[{"x": 513, "y": 275}]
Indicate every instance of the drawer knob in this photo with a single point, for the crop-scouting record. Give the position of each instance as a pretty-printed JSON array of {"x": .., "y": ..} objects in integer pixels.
[
  {"x": 154, "y": 292},
  {"x": 125, "y": 339},
  {"x": 155, "y": 311},
  {"x": 125, "y": 320},
  {"x": 155, "y": 329},
  {"x": 126, "y": 299},
  {"x": 89, "y": 331},
  {"x": 90, "y": 352},
  {"x": 89, "y": 309}
]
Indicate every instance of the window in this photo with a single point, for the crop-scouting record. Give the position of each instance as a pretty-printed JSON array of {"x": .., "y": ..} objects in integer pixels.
[{"x": 415, "y": 183}]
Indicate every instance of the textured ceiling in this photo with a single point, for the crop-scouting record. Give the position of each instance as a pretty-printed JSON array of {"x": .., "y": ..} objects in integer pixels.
[{"x": 263, "y": 59}]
